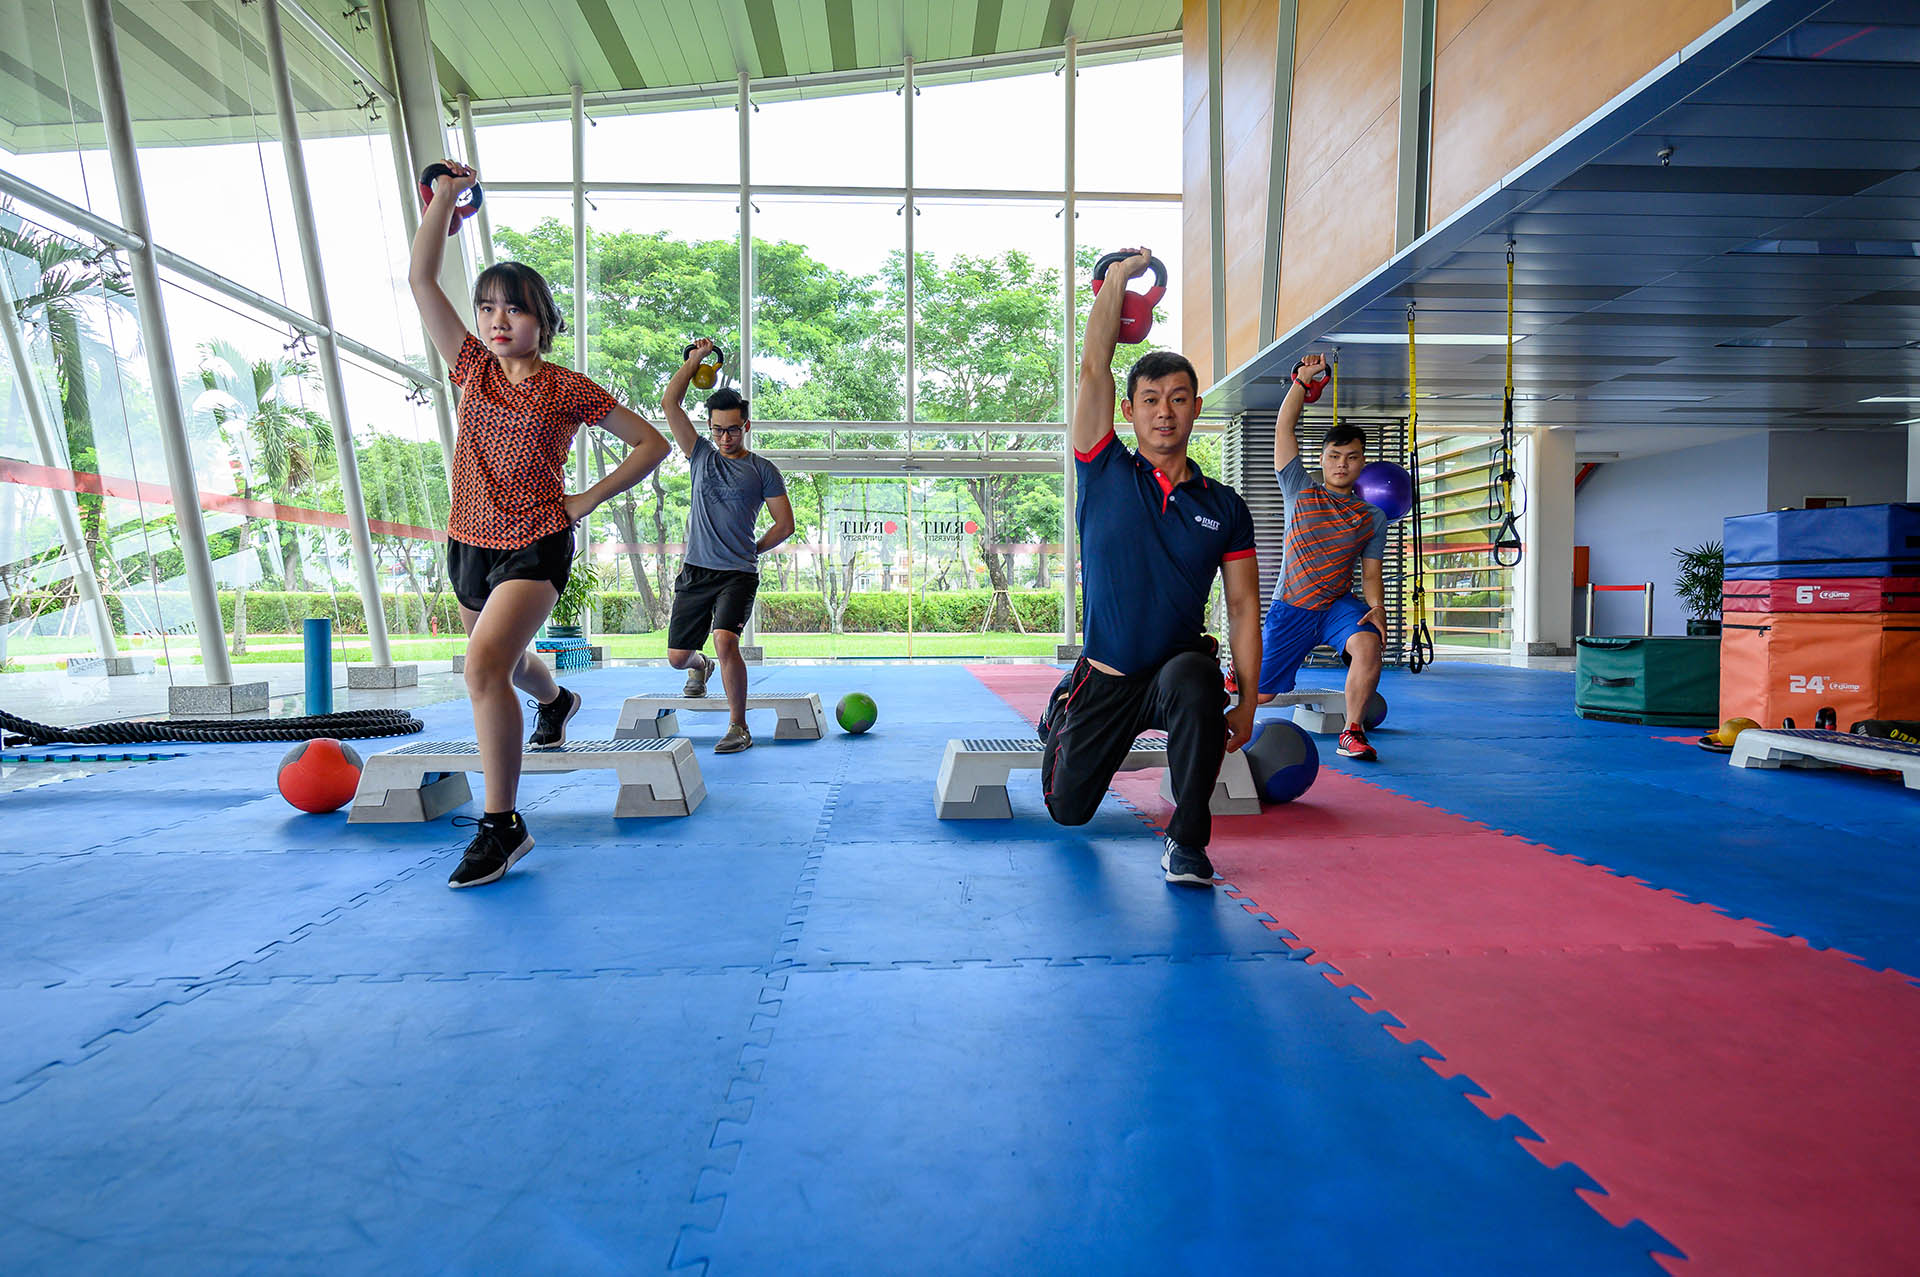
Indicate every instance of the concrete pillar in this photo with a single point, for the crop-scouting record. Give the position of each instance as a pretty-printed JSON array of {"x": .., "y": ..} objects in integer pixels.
[
  {"x": 1069, "y": 649},
  {"x": 1543, "y": 583},
  {"x": 1913, "y": 462}
]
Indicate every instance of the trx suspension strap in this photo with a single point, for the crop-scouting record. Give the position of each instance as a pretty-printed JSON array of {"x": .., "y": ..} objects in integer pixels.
[
  {"x": 1333, "y": 385},
  {"x": 1419, "y": 637},
  {"x": 1506, "y": 541}
]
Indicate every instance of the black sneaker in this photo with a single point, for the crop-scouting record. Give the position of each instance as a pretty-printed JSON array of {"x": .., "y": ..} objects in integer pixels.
[
  {"x": 550, "y": 720},
  {"x": 496, "y": 848},
  {"x": 1186, "y": 865},
  {"x": 1055, "y": 699}
]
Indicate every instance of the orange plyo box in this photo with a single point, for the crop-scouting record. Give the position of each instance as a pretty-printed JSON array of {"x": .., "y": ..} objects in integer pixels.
[{"x": 1775, "y": 666}]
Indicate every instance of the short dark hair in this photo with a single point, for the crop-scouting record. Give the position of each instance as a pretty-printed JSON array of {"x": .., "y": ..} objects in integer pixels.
[
  {"x": 724, "y": 398},
  {"x": 1344, "y": 434},
  {"x": 1156, "y": 364},
  {"x": 518, "y": 284}
]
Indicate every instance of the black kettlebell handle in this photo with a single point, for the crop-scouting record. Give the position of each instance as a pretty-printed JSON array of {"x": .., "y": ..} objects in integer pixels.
[
  {"x": 715, "y": 351},
  {"x": 1153, "y": 263},
  {"x": 468, "y": 199}
]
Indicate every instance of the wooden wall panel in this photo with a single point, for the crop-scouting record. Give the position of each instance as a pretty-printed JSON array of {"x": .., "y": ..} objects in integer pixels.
[
  {"x": 1516, "y": 74},
  {"x": 1340, "y": 228},
  {"x": 1343, "y": 152},
  {"x": 1249, "y": 29},
  {"x": 1194, "y": 272}
]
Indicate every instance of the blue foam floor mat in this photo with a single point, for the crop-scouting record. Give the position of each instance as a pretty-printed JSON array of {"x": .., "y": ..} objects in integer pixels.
[
  {"x": 241, "y": 1038},
  {"x": 411, "y": 1126},
  {"x": 1213, "y": 1117}
]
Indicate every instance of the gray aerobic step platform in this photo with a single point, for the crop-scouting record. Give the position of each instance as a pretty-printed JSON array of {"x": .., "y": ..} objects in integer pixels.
[
  {"x": 425, "y": 781},
  {"x": 651, "y": 717},
  {"x": 1806, "y": 747},
  {"x": 1321, "y": 711},
  {"x": 973, "y": 777}
]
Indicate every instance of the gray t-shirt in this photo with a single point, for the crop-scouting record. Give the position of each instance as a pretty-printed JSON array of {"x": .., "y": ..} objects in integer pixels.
[{"x": 727, "y": 496}]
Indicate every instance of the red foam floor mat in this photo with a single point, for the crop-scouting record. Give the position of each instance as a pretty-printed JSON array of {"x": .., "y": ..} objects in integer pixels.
[{"x": 1750, "y": 1098}]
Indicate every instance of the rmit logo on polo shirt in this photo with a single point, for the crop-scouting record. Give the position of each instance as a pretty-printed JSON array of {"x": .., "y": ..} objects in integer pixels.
[{"x": 1211, "y": 525}]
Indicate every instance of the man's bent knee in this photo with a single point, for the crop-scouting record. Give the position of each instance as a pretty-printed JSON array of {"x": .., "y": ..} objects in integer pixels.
[
  {"x": 726, "y": 644},
  {"x": 1067, "y": 811}
]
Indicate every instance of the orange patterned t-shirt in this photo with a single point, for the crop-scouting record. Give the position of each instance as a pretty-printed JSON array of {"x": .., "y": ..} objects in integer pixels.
[{"x": 510, "y": 459}]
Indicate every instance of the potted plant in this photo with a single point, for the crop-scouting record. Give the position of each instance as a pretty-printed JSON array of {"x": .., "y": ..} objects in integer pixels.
[
  {"x": 1698, "y": 586},
  {"x": 582, "y": 583}
]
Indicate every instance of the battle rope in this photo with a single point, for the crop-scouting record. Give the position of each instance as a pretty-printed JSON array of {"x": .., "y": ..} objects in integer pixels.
[
  {"x": 357, "y": 724},
  {"x": 1500, "y": 505},
  {"x": 1419, "y": 637}
]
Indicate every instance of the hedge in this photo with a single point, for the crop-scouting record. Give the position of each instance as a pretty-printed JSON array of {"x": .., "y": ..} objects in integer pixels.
[
  {"x": 268, "y": 611},
  {"x": 781, "y": 612}
]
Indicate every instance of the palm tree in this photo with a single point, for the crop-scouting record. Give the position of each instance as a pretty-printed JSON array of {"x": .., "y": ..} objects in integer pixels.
[
  {"x": 284, "y": 445},
  {"x": 60, "y": 275}
]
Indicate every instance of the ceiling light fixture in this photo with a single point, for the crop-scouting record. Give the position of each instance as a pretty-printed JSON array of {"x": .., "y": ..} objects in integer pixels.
[{"x": 1893, "y": 399}]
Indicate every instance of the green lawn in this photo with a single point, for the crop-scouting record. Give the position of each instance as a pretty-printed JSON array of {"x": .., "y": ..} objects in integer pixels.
[{"x": 264, "y": 648}]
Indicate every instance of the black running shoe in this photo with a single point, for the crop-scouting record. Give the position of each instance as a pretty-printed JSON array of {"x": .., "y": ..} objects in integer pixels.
[
  {"x": 496, "y": 848},
  {"x": 1186, "y": 865},
  {"x": 1055, "y": 699},
  {"x": 550, "y": 720}
]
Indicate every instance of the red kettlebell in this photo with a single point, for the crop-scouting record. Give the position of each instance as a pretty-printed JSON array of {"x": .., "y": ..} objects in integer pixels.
[
  {"x": 1136, "y": 309},
  {"x": 464, "y": 207},
  {"x": 1316, "y": 385}
]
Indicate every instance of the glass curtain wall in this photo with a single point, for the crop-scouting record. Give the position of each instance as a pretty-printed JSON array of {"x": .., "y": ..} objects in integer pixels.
[
  {"x": 91, "y": 497},
  {"x": 980, "y": 555},
  {"x": 835, "y": 202}
]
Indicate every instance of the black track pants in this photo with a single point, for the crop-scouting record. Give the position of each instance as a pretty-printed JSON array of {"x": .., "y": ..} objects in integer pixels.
[{"x": 1092, "y": 732}]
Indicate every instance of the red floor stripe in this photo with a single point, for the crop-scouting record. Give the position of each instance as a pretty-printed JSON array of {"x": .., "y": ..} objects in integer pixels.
[{"x": 1750, "y": 1098}]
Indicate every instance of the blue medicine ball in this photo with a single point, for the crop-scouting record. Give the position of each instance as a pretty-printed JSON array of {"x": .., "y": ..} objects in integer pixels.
[{"x": 1284, "y": 760}]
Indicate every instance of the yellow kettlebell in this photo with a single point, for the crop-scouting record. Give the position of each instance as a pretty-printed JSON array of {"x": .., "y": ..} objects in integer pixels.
[
  {"x": 707, "y": 373},
  {"x": 1730, "y": 730}
]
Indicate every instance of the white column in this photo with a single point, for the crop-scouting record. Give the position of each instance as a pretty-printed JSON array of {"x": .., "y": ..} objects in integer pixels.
[
  {"x": 1913, "y": 462},
  {"x": 743, "y": 358},
  {"x": 584, "y": 549},
  {"x": 158, "y": 341},
  {"x": 1543, "y": 583},
  {"x": 321, "y": 306},
  {"x": 480, "y": 217},
  {"x": 907, "y": 211},
  {"x": 408, "y": 176},
  {"x": 421, "y": 107},
  {"x": 1069, "y": 648}
]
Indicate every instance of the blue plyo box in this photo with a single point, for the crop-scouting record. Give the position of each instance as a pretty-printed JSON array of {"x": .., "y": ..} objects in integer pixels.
[{"x": 1845, "y": 541}]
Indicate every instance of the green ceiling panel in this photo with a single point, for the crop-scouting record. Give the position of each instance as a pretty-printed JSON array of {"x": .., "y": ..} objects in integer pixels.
[{"x": 195, "y": 69}]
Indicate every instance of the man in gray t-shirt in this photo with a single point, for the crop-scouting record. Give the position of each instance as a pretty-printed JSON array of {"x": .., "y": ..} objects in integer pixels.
[{"x": 720, "y": 576}]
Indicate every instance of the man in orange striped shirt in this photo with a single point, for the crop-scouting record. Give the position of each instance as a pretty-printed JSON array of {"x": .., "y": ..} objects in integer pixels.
[{"x": 1328, "y": 526}]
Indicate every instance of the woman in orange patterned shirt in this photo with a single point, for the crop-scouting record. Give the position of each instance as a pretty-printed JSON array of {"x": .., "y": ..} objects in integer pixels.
[{"x": 510, "y": 535}]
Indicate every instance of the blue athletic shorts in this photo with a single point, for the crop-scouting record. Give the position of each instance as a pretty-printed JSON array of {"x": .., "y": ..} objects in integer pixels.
[{"x": 1292, "y": 632}]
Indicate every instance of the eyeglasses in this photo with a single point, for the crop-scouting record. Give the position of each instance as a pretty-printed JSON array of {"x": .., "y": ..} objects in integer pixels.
[{"x": 727, "y": 432}]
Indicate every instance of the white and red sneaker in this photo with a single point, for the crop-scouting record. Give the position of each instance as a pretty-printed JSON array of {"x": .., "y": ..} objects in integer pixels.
[{"x": 1353, "y": 744}]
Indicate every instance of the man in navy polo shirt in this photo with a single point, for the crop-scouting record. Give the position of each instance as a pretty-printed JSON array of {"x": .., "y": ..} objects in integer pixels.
[{"x": 1153, "y": 531}]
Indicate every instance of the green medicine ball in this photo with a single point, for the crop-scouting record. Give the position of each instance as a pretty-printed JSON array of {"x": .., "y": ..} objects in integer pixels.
[{"x": 856, "y": 712}]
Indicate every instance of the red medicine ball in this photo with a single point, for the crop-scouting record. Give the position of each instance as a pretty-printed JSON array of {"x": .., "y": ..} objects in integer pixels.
[{"x": 319, "y": 775}]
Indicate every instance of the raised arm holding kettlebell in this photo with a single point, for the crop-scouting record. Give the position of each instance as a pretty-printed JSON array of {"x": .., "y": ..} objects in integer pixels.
[{"x": 1093, "y": 407}]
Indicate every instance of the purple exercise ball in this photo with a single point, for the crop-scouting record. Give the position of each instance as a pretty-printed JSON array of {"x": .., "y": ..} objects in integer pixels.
[{"x": 1384, "y": 484}]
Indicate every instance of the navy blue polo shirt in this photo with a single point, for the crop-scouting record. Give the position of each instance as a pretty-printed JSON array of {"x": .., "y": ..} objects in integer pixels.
[{"x": 1148, "y": 552}]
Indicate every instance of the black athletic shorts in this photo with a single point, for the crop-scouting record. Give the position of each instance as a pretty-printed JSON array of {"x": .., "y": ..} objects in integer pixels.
[
  {"x": 476, "y": 569},
  {"x": 709, "y": 599}
]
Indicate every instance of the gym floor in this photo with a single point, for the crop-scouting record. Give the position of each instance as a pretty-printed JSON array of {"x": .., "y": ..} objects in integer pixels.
[{"x": 1533, "y": 994}]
